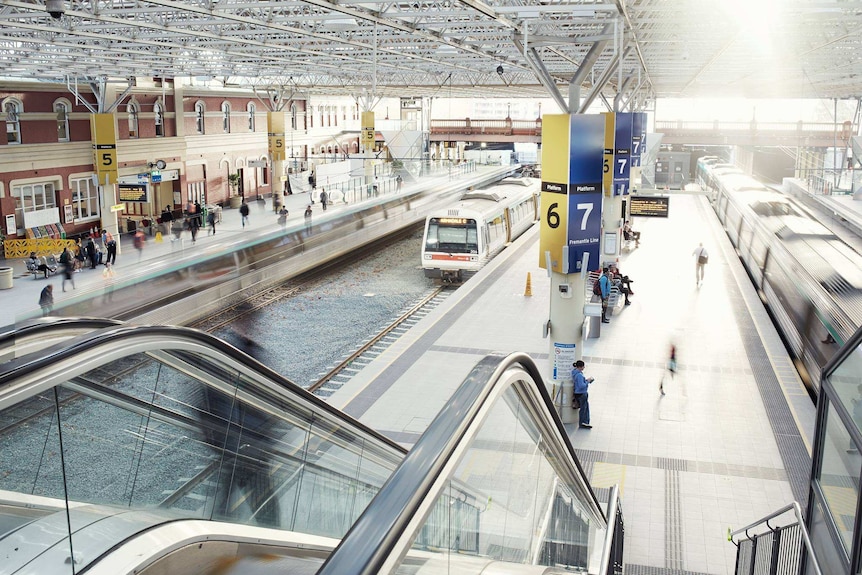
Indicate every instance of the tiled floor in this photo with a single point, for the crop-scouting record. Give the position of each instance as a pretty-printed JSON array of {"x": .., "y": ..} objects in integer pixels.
[{"x": 691, "y": 463}]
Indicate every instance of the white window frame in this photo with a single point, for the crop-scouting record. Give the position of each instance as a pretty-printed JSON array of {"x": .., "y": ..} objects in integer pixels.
[
  {"x": 13, "y": 109},
  {"x": 90, "y": 197},
  {"x": 21, "y": 191},
  {"x": 225, "y": 117},
  {"x": 63, "y": 109},
  {"x": 293, "y": 116},
  {"x": 159, "y": 119},
  {"x": 252, "y": 122},
  {"x": 200, "y": 117},
  {"x": 133, "y": 110}
]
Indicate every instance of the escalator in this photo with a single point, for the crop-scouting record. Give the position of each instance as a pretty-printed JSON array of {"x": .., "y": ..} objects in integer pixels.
[{"x": 166, "y": 450}]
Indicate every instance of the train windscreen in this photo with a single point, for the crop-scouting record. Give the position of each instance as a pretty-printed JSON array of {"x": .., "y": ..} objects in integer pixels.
[{"x": 454, "y": 235}]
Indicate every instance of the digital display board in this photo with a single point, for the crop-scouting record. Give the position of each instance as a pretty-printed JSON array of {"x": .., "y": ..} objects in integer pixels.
[{"x": 649, "y": 206}]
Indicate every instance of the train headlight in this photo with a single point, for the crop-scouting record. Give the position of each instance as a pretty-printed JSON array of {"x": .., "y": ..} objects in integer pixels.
[
  {"x": 427, "y": 256},
  {"x": 474, "y": 258}
]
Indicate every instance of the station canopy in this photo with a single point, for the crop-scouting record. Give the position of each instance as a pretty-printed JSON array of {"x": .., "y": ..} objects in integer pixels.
[{"x": 638, "y": 50}]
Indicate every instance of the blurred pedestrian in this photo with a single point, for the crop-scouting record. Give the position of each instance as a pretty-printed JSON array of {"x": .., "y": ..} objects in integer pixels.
[
  {"x": 46, "y": 299},
  {"x": 243, "y": 212},
  {"x": 671, "y": 368},
  {"x": 139, "y": 240},
  {"x": 66, "y": 259},
  {"x": 307, "y": 216},
  {"x": 211, "y": 221},
  {"x": 701, "y": 259},
  {"x": 282, "y": 216},
  {"x": 108, "y": 277},
  {"x": 324, "y": 198}
]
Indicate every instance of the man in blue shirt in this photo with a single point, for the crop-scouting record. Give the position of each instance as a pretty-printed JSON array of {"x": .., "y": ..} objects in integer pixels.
[
  {"x": 582, "y": 393},
  {"x": 605, "y": 284}
]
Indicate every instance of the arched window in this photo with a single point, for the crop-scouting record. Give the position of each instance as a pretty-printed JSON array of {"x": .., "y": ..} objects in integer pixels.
[
  {"x": 251, "y": 112},
  {"x": 159, "y": 117},
  {"x": 293, "y": 116},
  {"x": 225, "y": 117},
  {"x": 13, "y": 108},
  {"x": 199, "y": 117},
  {"x": 62, "y": 110},
  {"x": 132, "y": 109}
]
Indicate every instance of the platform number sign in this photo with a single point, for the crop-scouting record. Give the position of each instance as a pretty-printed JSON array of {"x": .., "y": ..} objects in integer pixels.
[
  {"x": 366, "y": 135},
  {"x": 572, "y": 168},
  {"x": 638, "y": 128},
  {"x": 622, "y": 153},
  {"x": 103, "y": 133},
  {"x": 275, "y": 135},
  {"x": 608, "y": 163}
]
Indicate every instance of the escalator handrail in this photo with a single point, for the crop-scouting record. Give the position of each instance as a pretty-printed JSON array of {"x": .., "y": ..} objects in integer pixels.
[
  {"x": 48, "y": 324},
  {"x": 118, "y": 335},
  {"x": 372, "y": 538}
]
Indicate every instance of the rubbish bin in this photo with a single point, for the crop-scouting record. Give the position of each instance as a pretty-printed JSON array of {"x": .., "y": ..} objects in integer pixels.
[{"x": 5, "y": 278}]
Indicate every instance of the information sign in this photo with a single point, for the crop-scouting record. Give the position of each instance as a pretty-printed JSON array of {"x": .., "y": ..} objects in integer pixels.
[
  {"x": 571, "y": 189},
  {"x": 638, "y": 119},
  {"x": 564, "y": 357},
  {"x": 118, "y": 207},
  {"x": 103, "y": 134},
  {"x": 275, "y": 135},
  {"x": 650, "y": 206},
  {"x": 608, "y": 161},
  {"x": 622, "y": 153},
  {"x": 366, "y": 136},
  {"x": 132, "y": 192}
]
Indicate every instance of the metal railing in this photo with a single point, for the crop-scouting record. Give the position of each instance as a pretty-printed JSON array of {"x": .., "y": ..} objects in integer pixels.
[
  {"x": 612, "y": 549},
  {"x": 777, "y": 551}
]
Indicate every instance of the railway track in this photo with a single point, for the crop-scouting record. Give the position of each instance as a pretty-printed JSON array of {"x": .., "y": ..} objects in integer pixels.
[{"x": 345, "y": 369}]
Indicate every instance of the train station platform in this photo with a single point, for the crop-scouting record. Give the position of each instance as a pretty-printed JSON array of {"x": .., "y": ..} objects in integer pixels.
[
  {"x": 22, "y": 300},
  {"x": 728, "y": 443}
]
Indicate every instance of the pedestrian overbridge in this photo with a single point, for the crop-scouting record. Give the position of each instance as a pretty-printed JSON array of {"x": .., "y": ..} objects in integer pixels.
[{"x": 793, "y": 134}]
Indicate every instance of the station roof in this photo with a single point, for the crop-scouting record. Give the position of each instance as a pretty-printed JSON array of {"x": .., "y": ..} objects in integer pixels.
[{"x": 644, "y": 49}]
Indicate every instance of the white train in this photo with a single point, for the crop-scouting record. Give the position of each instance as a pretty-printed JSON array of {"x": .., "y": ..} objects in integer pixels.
[{"x": 458, "y": 241}]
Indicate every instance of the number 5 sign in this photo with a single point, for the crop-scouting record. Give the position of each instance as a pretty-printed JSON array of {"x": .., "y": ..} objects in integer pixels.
[
  {"x": 572, "y": 167},
  {"x": 103, "y": 133}
]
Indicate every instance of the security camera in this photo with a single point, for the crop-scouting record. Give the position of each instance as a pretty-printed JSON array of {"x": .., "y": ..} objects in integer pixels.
[
  {"x": 55, "y": 8},
  {"x": 500, "y": 69}
]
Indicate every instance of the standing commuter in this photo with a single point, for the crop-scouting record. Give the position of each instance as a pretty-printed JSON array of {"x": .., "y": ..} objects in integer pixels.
[
  {"x": 582, "y": 394},
  {"x": 167, "y": 221},
  {"x": 92, "y": 254},
  {"x": 605, "y": 285},
  {"x": 399, "y": 181},
  {"x": 282, "y": 216},
  {"x": 323, "y": 198},
  {"x": 110, "y": 247},
  {"x": 701, "y": 258},
  {"x": 46, "y": 299},
  {"x": 243, "y": 211}
]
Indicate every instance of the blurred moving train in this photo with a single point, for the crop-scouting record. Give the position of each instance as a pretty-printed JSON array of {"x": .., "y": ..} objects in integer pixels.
[
  {"x": 809, "y": 279},
  {"x": 460, "y": 239},
  {"x": 230, "y": 269}
]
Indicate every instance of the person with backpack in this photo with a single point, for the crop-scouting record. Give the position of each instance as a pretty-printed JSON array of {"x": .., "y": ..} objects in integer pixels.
[
  {"x": 602, "y": 288},
  {"x": 243, "y": 211}
]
